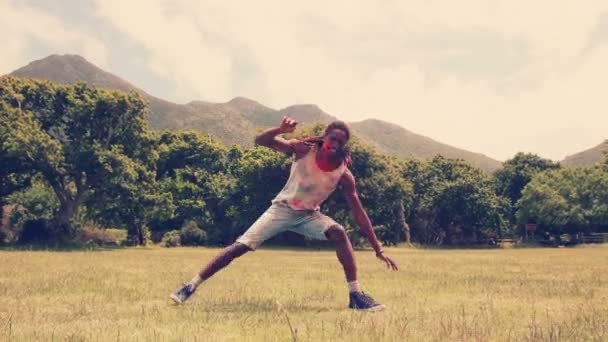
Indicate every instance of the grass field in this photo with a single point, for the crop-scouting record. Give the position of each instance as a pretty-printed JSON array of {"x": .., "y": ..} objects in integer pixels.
[{"x": 283, "y": 295}]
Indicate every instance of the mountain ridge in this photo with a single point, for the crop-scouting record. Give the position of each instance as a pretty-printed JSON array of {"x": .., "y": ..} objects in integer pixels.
[{"x": 238, "y": 120}]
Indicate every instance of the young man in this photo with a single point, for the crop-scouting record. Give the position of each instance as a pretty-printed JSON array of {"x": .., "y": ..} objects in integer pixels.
[{"x": 319, "y": 166}]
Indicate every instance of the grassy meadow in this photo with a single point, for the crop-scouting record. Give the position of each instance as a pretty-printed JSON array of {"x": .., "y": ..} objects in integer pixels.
[{"x": 299, "y": 294}]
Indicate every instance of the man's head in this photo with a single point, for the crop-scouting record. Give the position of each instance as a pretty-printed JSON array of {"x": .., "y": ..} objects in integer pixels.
[{"x": 335, "y": 140}]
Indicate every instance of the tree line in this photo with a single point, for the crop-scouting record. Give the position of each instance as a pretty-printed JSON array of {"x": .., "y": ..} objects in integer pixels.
[{"x": 72, "y": 156}]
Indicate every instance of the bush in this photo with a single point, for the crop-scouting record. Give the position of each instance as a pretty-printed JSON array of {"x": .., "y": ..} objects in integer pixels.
[
  {"x": 192, "y": 235},
  {"x": 96, "y": 236},
  {"x": 8, "y": 233},
  {"x": 171, "y": 239},
  {"x": 6, "y": 236},
  {"x": 118, "y": 235}
]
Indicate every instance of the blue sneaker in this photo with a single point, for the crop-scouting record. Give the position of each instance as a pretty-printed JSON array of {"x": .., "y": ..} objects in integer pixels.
[
  {"x": 183, "y": 293},
  {"x": 362, "y": 301}
]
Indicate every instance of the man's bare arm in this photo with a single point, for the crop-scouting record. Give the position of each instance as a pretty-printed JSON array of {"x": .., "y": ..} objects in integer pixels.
[
  {"x": 271, "y": 138},
  {"x": 360, "y": 215}
]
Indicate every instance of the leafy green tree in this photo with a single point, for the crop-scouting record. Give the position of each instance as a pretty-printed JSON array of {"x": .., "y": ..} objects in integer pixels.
[
  {"x": 453, "y": 202},
  {"x": 566, "y": 200},
  {"x": 188, "y": 198},
  {"x": 38, "y": 200},
  {"x": 130, "y": 197},
  {"x": 34, "y": 203},
  {"x": 384, "y": 192},
  {"x": 16, "y": 170},
  {"x": 193, "y": 149},
  {"x": 517, "y": 172},
  {"x": 260, "y": 174},
  {"x": 14, "y": 176},
  {"x": 71, "y": 135},
  {"x": 192, "y": 235},
  {"x": 387, "y": 195},
  {"x": 196, "y": 170}
]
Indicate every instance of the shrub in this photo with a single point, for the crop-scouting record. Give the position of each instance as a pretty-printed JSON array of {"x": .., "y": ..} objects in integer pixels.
[
  {"x": 171, "y": 239},
  {"x": 6, "y": 236},
  {"x": 192, "y": 235},
  {"x": 92, "y": 235}
]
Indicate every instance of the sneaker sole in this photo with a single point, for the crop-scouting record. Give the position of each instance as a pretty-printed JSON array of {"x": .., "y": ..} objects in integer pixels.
[
  {"x": 376, "y": 308},
  {"x": 372, "y": 309},
  {"x": 176, "y": 299}
]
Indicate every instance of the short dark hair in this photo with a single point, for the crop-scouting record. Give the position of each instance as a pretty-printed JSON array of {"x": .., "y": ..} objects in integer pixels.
[{"x": 338, "y": 124}]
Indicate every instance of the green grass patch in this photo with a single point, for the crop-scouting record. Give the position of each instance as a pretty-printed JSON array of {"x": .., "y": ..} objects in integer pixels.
[{"x": 281, "y": 294}]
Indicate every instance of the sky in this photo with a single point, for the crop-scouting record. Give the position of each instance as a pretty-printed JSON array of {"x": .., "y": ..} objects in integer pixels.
[{"x": 490, "y": 76}]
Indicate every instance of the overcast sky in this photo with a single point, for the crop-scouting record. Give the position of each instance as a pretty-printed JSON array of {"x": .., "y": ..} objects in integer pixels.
[{"x": 490, "y": 76}]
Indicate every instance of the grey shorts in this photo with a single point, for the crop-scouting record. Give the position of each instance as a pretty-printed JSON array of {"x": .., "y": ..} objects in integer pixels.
[{"x": 280, "y": 218}]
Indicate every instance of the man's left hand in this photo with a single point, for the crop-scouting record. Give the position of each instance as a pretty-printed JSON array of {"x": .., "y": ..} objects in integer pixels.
[{"x": 390, "y": 263}]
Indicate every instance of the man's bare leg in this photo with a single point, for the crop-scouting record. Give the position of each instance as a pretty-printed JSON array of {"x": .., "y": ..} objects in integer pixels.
[
  {"x": 344, "y": 251},
  {"x": 221, "y": 260}
]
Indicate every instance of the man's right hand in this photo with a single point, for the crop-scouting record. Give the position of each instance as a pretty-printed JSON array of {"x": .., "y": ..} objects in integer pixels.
[{"x": 288, "y": 125}]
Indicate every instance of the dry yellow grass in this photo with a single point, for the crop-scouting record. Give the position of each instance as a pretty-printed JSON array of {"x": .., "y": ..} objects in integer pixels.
[{"x": 282, "y": 294}]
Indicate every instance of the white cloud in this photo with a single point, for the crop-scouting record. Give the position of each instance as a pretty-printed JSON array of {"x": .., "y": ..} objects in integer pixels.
[{"x": 23, "y": 26}]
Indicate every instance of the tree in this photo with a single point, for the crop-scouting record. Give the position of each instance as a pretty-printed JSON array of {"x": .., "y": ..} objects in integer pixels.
[
  {"x": 567, "y": 200},
  {"x": 517, "y": 172},
  {"x": 130, "y": 197},
  {"x": 260, "y": 174},
  {"x": 193, "y": 149},
  {"x": 16, "y": 171},
  {"x": 453, "y": 202},
  {"x": 70, "y": 135},
  {"x": 34, "y": 203},
  {"x": 385, "y": 193},
  {"x": 14, "y": 175},
  {"x": 196, "y": 170}
]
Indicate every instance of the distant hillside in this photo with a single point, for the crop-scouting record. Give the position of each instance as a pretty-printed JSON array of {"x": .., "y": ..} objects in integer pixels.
[
  {"x": 263, "y": 116},
  {"x": 256, "y": 113},
  {"x": 588, "y": 157},
  {"x": 227, "y": 126},
  {"x": 70, "y": 69},
  {"x": 237, "y": 121},
  {"x": 398, "y": 141},
  {"x": 307, "y": 113}
]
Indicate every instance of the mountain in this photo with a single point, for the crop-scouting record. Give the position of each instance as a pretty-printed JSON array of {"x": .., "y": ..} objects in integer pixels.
[
  {"x": 70, "y": 69},
  {"x": 237, "y": 121},
  {"x": 398, "y": 141},
  {"x": 307, "y": 113},
  {"x": 258, "y": 114},
  {"x": 587, "y": 157},
  {"x": 233, "y": 122},
  {"x": 226, "y": 126},
  {"x": 262, "y": 116}
]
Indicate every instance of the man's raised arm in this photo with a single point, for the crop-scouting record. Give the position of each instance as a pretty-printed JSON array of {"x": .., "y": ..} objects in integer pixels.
[{"x": 270, "y": 137}]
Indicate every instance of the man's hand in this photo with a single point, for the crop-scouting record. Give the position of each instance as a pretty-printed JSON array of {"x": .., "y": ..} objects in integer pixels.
[
  {"x": 390, "y": 263},
  {"x": 288, "y": 125}
]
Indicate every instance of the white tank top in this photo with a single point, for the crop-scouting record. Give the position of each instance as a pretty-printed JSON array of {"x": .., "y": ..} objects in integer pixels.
[{"x": 308, "y": 186}]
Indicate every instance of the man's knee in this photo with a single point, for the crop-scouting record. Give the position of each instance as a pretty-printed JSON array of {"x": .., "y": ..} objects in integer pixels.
[
  {"x": 237, "y": 249},
  {"x": 336, "y": 233}
]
